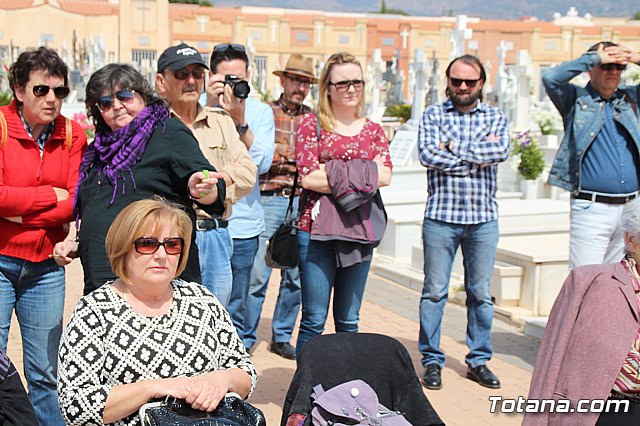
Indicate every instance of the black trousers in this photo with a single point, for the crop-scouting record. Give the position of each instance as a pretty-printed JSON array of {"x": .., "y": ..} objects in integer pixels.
[{"x": 630, "y": 418}]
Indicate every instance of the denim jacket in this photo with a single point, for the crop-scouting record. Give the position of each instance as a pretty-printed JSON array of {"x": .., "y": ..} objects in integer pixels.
[{"x": 582, "y": 111}]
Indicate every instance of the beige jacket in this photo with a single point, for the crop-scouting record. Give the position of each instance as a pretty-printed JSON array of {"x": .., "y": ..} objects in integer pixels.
[{"x": 219, "y": 141}]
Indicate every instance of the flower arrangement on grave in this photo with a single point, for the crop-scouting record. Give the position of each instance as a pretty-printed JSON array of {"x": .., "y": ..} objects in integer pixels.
[
  {"x": 631, "y": 75},
  {"x": 548, "y": 121},
  {"x": 86, "y": 124},
  {"x": 530, "y": 159}
]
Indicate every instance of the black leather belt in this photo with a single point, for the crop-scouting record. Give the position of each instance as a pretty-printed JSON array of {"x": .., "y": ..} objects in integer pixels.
[
  {"x": 282, "y": 192},
  {"x": 607, "y": 199},
  {"x": 208, "y": 224}
]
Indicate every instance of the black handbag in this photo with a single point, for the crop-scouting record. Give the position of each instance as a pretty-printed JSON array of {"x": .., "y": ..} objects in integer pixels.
[
  {"x": 282, "y": 247},
  {"x": 231, "y": 411}
]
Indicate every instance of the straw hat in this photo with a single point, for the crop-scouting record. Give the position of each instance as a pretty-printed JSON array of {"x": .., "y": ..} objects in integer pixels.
[{"x": 300, "y": 66}]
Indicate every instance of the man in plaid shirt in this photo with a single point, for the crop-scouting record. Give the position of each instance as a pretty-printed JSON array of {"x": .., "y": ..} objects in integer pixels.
[
  {"x": 275, "y": 190},
  {"x": 460, "y": 141}
]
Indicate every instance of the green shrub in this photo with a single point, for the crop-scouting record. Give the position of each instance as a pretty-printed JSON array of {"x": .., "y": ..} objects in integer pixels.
[
  {"x": 401, "y": 111},
  {"x": 531, "y": 161}
]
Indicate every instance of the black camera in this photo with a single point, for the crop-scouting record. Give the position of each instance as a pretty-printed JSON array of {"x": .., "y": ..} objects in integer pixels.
[{"x": 239, "y": 86}]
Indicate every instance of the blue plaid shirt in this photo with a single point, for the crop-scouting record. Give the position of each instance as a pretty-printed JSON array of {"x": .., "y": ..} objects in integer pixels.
[{"x": 462, "y": 183}]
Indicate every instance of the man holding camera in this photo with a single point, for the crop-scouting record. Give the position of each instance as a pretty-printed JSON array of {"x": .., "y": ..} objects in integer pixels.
[
  {"x": 227, "y": 88},
  {"x": 275, "y": 189},
  {"x": 179, "y": 80}
]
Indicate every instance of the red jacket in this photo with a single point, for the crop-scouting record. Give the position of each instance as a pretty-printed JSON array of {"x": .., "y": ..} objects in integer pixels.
[{"x": 26, "y": 187}]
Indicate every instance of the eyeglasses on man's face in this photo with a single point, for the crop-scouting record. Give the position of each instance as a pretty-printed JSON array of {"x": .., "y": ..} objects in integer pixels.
[
  {"x": 610, "y": 67},
  {"x": 149, "y": 245},
  {"x": 41, "y": 90},
  {"x": 343, "y": 86},
  {"x": 184, "y": 73},
  {"x": 125, "y": 97},
  {"x": 457, "y": 82},
  {"x": 298, "y": 81}
]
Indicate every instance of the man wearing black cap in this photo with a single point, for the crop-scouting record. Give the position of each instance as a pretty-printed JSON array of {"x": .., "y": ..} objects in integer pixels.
[
  {"x": 179, "y": 80},
  {"x": 275, "y": 189}
]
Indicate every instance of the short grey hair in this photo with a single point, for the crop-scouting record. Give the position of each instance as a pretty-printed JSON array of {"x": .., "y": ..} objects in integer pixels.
[{"x": 631, "y": 220}]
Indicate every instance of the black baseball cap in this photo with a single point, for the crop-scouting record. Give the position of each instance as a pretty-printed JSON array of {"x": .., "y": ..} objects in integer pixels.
[{"x": 177, "y": 57}]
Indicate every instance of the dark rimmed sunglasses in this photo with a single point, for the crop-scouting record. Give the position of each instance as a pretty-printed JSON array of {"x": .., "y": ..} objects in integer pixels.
[
  {"x": 124, "y": 96},
  {"x": 184, "y": 73},
  {"x": 41, "y": 90},
  {"x": 223, "y": 47},
  {"x": 343, "y": 86},
  {"x": 457, "y": 82},
  {"x": 147, "y": 245},
  {"x": 609, "y": 67}
]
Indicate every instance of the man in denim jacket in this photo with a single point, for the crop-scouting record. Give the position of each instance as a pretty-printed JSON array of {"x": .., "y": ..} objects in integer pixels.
[{"x": 598, "y": 158}]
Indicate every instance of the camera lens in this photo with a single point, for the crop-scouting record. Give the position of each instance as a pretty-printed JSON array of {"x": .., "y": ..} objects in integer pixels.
[{"x": 241, "y": 89}]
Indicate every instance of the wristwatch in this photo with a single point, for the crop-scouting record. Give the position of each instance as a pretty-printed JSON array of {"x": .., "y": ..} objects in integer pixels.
[{"x": 242, "y": 128}]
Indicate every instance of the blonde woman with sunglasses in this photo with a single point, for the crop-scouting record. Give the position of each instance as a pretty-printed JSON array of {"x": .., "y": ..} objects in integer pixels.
[
  {"x": 345, "y": 135},
  {"x": 138, "y": 152},
  {"x": 148, "y": 334}
]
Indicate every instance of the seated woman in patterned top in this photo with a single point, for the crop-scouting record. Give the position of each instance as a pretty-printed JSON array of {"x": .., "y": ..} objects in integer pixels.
[{"x": 147, "y": 334}]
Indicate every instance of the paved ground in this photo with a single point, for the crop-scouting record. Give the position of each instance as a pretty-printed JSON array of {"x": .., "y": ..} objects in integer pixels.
[{"x": 393, "y": 310}]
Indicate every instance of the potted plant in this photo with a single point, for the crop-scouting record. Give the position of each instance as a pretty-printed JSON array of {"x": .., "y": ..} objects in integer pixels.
[
  {"x": 530, "y": 160},
  {"x": 549, "y": 123}
]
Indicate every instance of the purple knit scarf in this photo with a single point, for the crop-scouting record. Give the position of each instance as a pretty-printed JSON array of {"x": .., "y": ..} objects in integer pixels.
[{"x": 114, "y": 154}]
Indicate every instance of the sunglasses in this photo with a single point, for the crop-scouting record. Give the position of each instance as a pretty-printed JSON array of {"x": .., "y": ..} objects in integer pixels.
[
  {"x": 343, "y": 86},
  {"x": 147, "y": 245},
  {"x": 610, "y": 67},
  {"x": 41, "y": 90},
  {"x": 298, "y": 81},
  {"x": 125, "y": 97},
  {"x": 183, "y": 74},
  {"x": 226, "y": 46},
  {"x": 457, "y": 82}
]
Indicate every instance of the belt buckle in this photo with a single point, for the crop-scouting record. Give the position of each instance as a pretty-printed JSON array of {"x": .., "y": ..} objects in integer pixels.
[{"x": 286, "y": 192}]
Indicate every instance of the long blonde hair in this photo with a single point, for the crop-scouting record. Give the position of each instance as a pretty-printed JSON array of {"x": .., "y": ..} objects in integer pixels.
[{"x": 325, "y": 111}]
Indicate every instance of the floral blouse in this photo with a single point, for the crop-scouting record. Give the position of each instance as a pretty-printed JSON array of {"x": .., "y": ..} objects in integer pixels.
[{"x": 310, "y": 152}]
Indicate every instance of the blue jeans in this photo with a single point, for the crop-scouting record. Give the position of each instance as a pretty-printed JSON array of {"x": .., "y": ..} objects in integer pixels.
[
  {"x": 36, "y": 291},
  {"x": 214, "y": 251},
  {"x": 288, "y": 303},
  {"x": 244, "y": 251},
  {"x": 318, "y": 275},
  {"x": 441, "y": 241}
]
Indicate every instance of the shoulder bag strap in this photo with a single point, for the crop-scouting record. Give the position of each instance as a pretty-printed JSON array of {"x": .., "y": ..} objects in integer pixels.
[
  {"x": 68, "y": 133},
  {"x": 4, "y": 135}
]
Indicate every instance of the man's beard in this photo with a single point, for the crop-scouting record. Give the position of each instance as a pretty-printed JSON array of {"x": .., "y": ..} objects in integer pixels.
[{"x": 466, "y": 99}]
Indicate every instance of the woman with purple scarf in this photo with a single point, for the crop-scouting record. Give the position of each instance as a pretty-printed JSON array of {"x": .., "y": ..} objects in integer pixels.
[{"x": 138, "y": 153}]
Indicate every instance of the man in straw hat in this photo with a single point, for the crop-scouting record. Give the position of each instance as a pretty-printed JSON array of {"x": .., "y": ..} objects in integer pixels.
[{"x": 275, "y": 189}]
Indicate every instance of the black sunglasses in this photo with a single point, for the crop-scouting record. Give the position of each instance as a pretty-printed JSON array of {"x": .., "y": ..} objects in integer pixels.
[
  {"x": 343, "y": 86},
  {"x": 41, "y": 90},
  {"x": 147, "y": 245},
  {"x": 457, "y": 82},
  {"x": 183, "y": 74},
  {"x": 223, "y": 47},
  {"x": 124, "y": 96},
  {"x": 609, "y": 67}
]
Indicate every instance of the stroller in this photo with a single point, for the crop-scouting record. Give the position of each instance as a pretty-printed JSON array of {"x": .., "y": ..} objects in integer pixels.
[{"x": 378, "y": 360}]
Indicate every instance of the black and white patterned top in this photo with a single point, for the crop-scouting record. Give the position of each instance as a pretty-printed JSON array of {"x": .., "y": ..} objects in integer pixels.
[{"x": 107, "y": 343}]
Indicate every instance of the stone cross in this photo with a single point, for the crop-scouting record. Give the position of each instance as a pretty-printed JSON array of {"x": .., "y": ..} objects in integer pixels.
[
  {"x": 202, "y": 20},
  {"x": 458, "y": 36},
  {"x": 143, "y": 8},
  {"x": 523, "y": 71},
  {"x": 404, "y": 34},
  {"x": 319, "y": 28},
  {"x": 418, "y": 67}
]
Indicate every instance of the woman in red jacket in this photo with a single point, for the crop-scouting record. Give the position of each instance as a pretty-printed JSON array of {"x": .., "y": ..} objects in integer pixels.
[{"x": 40, "y": 152}]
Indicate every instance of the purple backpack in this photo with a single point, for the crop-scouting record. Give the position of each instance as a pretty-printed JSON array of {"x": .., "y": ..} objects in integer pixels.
[{"x": 352, "y": 403}]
